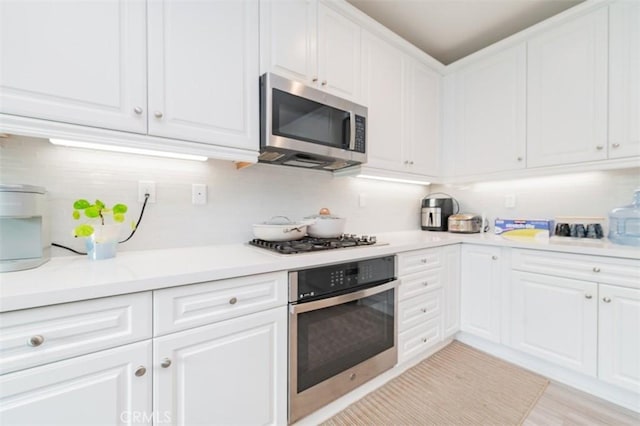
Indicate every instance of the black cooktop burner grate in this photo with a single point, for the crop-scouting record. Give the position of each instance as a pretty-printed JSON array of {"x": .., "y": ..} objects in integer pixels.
[{"x": 311, "y": 244}]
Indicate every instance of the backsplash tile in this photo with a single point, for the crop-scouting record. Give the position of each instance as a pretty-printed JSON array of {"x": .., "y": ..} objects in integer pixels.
[{"x": 236, "y": 198}]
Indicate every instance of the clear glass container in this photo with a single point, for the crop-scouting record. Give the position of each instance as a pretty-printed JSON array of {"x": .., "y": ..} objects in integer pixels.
[{"x": 624, "y": 223}]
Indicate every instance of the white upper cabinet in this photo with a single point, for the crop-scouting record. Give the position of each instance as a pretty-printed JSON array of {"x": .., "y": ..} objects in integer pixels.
[
  {"x": 403, "y": 100},
  {"x": 489, "y": 98},
  {"x": 422, "y": 118},
  {"x": 383, "y": 93},
  {"x": 75, "y": 62},
  {"x": 288, "y": 30},
  {"x": 203, "y": 71},
  {"x": 624, "y": 79},
  {"x": 309, "y": 42},
  {"x": 338, "y": 53},
  {"x": 567, "y": 92}
]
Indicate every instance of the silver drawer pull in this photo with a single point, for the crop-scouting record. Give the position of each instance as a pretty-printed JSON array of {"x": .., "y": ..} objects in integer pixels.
[
  {"x": 138, "y": 110},
  {"x": 158, "y": 114},
  {"x": 606, "y": 300},
  {"x": 166, "y": 363},
  {"x": 425, "y": 283},
  {"x": 616, "y": 145},
  {"x": 596, "y": 269},
  {"x": 494, "y": 257},
  {"x": 233, "y": 301},
  {"x": 424, "y": 310},
  {"x": 140, "y": 371},
  {"x": 36, "y": 340},
  {"x": 424, "y": 340},
  {"x": 588, "y": 296},
  {"x": 423, "y": 260},
  {"x": 352, "y": 376}
]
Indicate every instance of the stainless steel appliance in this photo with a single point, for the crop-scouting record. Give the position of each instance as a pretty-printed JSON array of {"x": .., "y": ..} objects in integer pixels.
[
  {"x": 304, "y": 127},
  {"x": 25, "y": 240},
  {"x": 311, "y": 244},
  {"x": 435, "y": 213},
  {"x": 342, "y": 330},
  {"x": 465, "y": 223}
]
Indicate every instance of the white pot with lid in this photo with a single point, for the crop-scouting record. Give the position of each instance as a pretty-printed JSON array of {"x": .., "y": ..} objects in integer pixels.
[
  {"x": 279, "y": 228},
  {"x": 326, "y": 225}
]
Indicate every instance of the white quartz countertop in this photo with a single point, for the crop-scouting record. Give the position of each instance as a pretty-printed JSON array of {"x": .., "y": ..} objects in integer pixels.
[{"x": 67, "y": 279}]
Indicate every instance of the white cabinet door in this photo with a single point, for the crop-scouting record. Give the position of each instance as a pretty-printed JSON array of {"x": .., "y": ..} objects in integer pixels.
[
  {"x": 230, "y": 372},
  {"x": 619, "y": 337},
  {"x": 383, "y": 93},
  {"x": 490, "y": 114},
  {"x": 338, "y": 54},
  {"x": 203, "y": 71},
  {"x": 422, "y": 119},
  {"x": 480, "y": 291},
  {"x": 107, "y": 387},
  {"x": 451, "y": 289},
  {"x": 555, "y": 319},
  {"x": 624, "y": 79},
  {"x": 567, "y": 93},
  {"x": 288, "y": 39},
  {"x": 75, "y": 62}
]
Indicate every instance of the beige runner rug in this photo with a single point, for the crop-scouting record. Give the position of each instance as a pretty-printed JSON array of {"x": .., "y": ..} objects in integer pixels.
[{"x": 458, "y": 385}]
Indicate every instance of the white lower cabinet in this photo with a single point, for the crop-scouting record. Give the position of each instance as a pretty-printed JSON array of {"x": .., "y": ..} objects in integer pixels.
[
  {"x": 481, "y": 287},
  {"x": 619, "y": 336},
  {"x": 556, "y": 319},
  {"x": 107, "y": 387},
  {"x": 451, "y": 290},
  {"x": 230, "y": 372}
]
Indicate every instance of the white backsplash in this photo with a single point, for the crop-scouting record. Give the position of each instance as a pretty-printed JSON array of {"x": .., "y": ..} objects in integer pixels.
[
  {"x": 580, "y": 194},
  {"x": 236, "y": 198}
]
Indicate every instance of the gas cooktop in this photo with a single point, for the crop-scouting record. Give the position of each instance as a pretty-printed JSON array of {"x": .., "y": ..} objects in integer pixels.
[{"x": 311, "y": 244}]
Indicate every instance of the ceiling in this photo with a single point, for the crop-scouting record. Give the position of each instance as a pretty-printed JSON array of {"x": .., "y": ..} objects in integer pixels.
[{"x": 452, "y": 29}]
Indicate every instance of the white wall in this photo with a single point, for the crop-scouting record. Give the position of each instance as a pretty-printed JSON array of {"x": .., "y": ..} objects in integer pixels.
[
  {"x": 236, "y": 198},
  {"x": 580, "y": 194}
]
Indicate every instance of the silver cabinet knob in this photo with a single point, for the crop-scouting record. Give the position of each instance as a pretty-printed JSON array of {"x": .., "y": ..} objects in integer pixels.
[
  {"x": 606, "y": 300},
  {"x": 158, "y": 114},
  {"x": 424, "y": 310},
  {"x": 616, "y": 145},
  {"x": 520, "y": 158},
  {"x": 425, "y": 283},
  {"x": 137, "y": 110},
  {"x": 596, "y": 269},
  {"x": 599, "y": 147},
  {"x": 411, "y": 162},
  {"x": 424, "y": 340},
  {"x": 314, "y": 79},
  {"x": 140, "y": 371},
  {"x": 233, "y": 301},
  {"x": 166, "y": 363},
  {"x": 352, "y": 376},
  {"x": 494, "y": 257},
  {"x": 406, "y": 161},
  {"x": 423, "y": 260},
  {"x": 324, "y": 82},
  {"x": 36, "y": 340},
  {"x": 587, "y": 296}
]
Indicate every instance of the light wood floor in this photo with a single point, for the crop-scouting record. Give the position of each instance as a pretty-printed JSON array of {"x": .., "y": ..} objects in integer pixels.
[{"x": 562, "y": 405}]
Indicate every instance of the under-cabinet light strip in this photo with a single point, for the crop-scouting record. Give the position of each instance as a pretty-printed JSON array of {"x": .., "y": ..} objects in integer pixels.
[
  {"x": 415, "y": 182},
  {"x": 128, "y": 150}
]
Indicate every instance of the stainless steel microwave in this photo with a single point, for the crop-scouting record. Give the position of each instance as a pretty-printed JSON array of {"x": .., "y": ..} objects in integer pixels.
[{"x": 304, "y": 127}]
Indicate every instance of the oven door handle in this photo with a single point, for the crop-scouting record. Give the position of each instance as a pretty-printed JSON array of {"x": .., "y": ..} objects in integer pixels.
[{"x": 343, "y": 298}]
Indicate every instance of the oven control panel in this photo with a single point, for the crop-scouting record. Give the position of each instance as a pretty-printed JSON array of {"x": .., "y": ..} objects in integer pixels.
[{"x": 326, "y": 281}]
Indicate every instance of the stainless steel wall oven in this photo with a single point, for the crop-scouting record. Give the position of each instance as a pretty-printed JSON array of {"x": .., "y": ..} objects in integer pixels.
[{"x": 342, "y": 330}]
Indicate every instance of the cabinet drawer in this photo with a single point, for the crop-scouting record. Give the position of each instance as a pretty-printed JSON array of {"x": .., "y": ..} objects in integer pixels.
[
  {"x": 413, "y": 312},
  {"x": 418, "y": 339},
  {"x": 609, "y": 270},
  {"x": 419, "y": 260},
  {"x": 38, "y": 336},
  {"x": 180, "y": 308},
  {"x": 418, "y": 284}
]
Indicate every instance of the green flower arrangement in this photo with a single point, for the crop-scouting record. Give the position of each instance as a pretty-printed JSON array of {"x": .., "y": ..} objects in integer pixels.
[{"x": 96, "y": 212}]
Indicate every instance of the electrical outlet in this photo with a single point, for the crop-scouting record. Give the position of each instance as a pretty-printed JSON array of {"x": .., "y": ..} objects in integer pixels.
[
  {"x": 147, "y": 187},
  {"x": 510, "y": 201},
  {"x": 199, "y": 193}
]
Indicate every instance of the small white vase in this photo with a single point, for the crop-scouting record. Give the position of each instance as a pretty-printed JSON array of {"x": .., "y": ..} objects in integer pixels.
[{"x": 103, "y": 243}]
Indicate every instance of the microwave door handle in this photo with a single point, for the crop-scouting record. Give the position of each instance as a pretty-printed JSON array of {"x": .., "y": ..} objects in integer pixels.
[{"x": 352, "y": 131}]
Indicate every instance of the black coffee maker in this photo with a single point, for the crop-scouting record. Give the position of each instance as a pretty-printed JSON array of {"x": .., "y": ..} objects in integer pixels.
[{"x": 435, "y": 213}]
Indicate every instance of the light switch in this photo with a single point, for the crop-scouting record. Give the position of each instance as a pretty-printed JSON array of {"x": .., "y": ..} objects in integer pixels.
[{"x": 199, "y": 193}]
